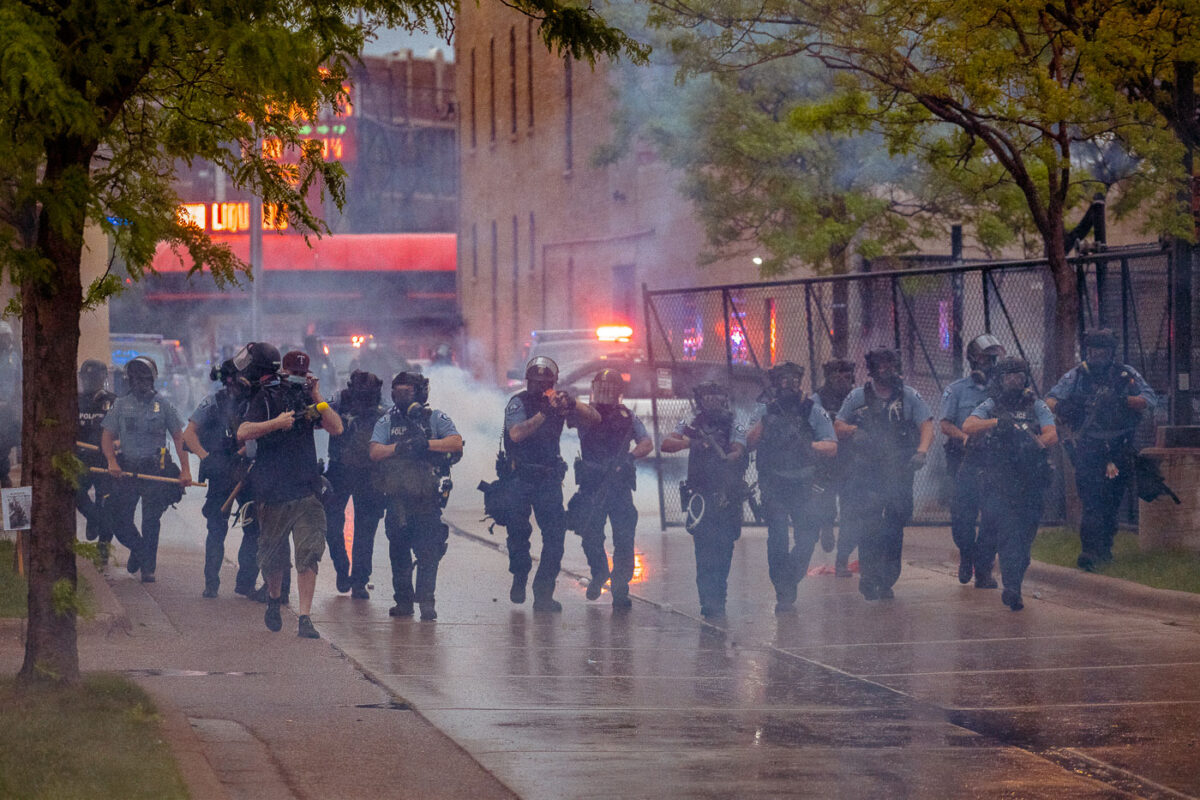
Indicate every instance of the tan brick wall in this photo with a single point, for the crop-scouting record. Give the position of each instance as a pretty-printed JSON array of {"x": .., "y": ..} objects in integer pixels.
[{"x": 586, "y": 220}]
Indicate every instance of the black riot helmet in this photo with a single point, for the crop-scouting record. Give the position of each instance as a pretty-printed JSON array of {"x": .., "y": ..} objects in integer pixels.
[
  {"x": 607, "y": 387},
  {"x": 982, "y": 354},
  {"x": 418, "y": 384},
  {"x": 364, "y": 388},
  {"x": 837, "y": 366},
  {"x": 1099, "y": 348},
  {"x": 711, "y": 398},
  {"x": 92, "y": 376},
  {"x": 257, "y": 360},
  {"x": 1013, "y": 380},
  {"x": 786, "y": 378},
  {"x": 541, "y": 373},
  {"x": 883, "y": 365},
  {"x": 224, "y": 373},
  {"x": 141, "y": 373}
]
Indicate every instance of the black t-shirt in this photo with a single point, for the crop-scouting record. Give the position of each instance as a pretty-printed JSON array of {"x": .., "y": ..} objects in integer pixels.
[{"x": 285, "y": 467}]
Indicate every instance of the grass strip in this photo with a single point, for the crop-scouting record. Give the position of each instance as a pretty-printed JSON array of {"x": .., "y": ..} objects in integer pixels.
[
  {"x": 1171, "y": 569},
  {"x": 98, "y": 739},
  {"x": 14, "y": 591}
]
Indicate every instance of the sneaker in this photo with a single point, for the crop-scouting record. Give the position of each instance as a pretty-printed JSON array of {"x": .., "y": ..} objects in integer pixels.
[
  {"x": 306, "y": 629},
  {"x": 621, "y": 602},
  {"x": 827, "y": 540},
  {"x": 1087, "y": 562},
  {"x": 840, "y": 570},
  {"x": 985, "y": 581},
  {"x": 401, "y": 610},
  {"x": 91, "y": 533},
  {"x": 887, "y": 594},
  {"x": 147, "y": 577},
  {"x": 1012, "y": 599},
  {"x": 869, "y": 591},
  {"x": 596, "y": 586},
  {"x": 244, "y": 591},
  {"x": 360, "y": 593},
  {"x": 209, "y": 592},
  {"x": 134, "y": 563},
  {"x": 517, "y": 592},
  {"x": 965, "y": 568},
  {"x": 785, "y": 607},
  {"x": 343, "y": 584},
  {"x": 428, "y": 613},
  {"x": 547, "y": 604},
  {"x": 273, "y": 619}
]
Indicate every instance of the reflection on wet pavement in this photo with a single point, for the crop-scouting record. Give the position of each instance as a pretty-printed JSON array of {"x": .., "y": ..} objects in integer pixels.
[{"x": 941, "y": 693}]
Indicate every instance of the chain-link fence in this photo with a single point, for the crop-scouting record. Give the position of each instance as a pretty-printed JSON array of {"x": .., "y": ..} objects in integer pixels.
[{"x": 927, "y": 313}]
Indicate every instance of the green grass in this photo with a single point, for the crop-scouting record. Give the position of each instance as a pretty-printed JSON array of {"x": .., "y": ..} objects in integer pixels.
[
  {"x": 14, "y": 591},
  {"x": 1162, "y": 570},
  {"x": 98, "y": 739}
]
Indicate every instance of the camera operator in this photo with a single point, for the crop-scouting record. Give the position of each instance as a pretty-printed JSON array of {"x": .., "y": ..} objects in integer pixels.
[{"x": 282, "y": 418}]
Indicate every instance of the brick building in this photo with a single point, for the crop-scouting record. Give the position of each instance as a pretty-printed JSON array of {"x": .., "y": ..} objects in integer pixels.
[{"x": 546, "y": 239}]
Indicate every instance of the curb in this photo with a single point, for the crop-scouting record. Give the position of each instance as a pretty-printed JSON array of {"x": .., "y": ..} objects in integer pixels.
[
  {"x": 1115, "y": 591},
  {"x": 195, "y": 769}
]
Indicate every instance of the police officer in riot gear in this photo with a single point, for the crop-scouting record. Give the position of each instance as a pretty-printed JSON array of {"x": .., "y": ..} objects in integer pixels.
[
  {"x": 413, "y": 447},
  {"x": 790, "y": 435},
  {"x": 142, "y": 420},
  {"x": 831, "y": 472},
  {"x": 211, "y": 434},
  {"x": 976, "y": 546},
  {"x": 288, "y": 482},
  {"x": 533, "y": 423},
  {"x": 94, "y": 402},
  {"x": 350, "y": 474},
  {"x": 1101, "y": 401},
  {"x": 714, "y": 491},
  {"x": 606, "y": 476},
  {"x": 1015, "y": 428},
  {"x": 887, "y": 429}
]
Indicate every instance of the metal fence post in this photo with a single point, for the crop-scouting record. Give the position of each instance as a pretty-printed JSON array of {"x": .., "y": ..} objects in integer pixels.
[
  {"x": 658, "y": 466},
  {"x": 1181, "y": 347},
  {"x": 812, "y": 349}
]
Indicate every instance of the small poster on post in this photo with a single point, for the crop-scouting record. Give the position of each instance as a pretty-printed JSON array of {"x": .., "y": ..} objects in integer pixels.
[{"x": 18, "y": 507}]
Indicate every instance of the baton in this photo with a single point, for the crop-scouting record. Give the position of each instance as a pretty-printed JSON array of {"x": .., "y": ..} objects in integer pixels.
[
  {"x": 86, "y": 446},
  {"x": 159, "y": 478}
]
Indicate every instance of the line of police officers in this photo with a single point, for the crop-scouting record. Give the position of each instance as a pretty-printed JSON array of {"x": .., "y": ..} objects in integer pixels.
[{"x": 812, "y": 468}]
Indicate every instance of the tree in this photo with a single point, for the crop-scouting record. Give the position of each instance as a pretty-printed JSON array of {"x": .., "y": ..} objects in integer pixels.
[
  {"x": 99, "y": 99},
  {"x": 991, "y": 93}
]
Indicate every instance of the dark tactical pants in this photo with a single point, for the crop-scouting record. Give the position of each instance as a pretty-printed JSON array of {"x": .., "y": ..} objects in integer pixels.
[
  {"x": 541, "y": 494},
  {"x": 353, "y": 482},
  {"x": 416, "y": 543},
  {"x": 94, "y": 510},
  {"x": 977, "y": 543},
  {"x": 877, "y": 514},
  {"x": 220, "y": 486},
  {"x": 156, "y": 498},
  {"x": 616, "y": 506},
  {"x": 713, "y": 542},
  {"x": 1100, "y": 498},
  {"x": 788, "y": 507},
  {"x": 1015, "y": 516}
]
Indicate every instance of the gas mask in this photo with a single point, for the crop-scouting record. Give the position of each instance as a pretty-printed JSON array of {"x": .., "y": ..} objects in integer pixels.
[
  {"x": 1099, "y": 358},
  {"x": 402, "y": 395},
  {"x": 539, "y": 385}
]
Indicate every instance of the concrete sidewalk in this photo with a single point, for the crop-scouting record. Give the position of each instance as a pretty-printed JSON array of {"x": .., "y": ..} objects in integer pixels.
[{"x": 251, "y": 714}]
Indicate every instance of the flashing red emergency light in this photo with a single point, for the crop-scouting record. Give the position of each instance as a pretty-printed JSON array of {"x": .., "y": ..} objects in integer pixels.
[{"x": 614, "y": 333}]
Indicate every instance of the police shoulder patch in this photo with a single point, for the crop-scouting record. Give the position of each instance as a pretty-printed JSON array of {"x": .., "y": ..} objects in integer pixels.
[{"x": 514, "y": 404}]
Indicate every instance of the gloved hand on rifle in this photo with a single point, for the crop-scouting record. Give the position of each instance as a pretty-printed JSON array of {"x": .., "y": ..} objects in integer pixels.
[
  {"x": 413, "y": 443},
  {"x": 561, "y": 404}
]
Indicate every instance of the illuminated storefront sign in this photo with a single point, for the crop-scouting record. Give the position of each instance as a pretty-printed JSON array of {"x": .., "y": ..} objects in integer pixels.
[{"x": 231, "y": 217}]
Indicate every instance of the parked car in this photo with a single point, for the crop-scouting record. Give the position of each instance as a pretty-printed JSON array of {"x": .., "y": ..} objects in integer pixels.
[{"x": 572, "y": 348}]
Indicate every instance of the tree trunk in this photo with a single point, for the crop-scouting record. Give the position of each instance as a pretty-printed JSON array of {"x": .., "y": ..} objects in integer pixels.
[
  {"x": 51, "y": 305},
  {"x": 1061, "y": 348}
]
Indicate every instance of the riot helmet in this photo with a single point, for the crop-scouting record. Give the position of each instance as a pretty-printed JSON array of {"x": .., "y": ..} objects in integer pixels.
[
  {"x": 224, "y": 373},
  {"x": 141, "y": 373},
  {"x": 982, "y": 354},
  {"x": 839, "y": 375},
  {"x": 541, "y": 373},
  {"x": 883, "y": 365},
  {"x": 92, "y": 376},
  {"x": 711, "y": 398},
  {"x": 364, "y": 388},
  {"x": 1099, "y": 348},
  {"x": 607, "y": 387},
  {"x": 257, "y": 360},
  {"x": 1013, "y": 380},
  {"x": 409, "y": 388},
  {"x": 786, "y": 378}
]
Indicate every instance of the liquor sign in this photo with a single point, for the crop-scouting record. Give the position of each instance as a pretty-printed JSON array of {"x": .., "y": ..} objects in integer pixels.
[{"x": 231, "y": 217}]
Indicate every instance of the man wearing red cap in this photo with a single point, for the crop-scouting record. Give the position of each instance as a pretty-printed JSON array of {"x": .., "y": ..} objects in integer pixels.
[{"x": 287, "y": 479}]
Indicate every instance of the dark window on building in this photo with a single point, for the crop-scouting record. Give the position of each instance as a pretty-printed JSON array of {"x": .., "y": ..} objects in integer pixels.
[
  {"x": 472, "y": 91},
  {"x": 570, "y": 156},
  {"x": 512, "y": 77},
  {"x": 492, "y": 86},
  {"x": 474, "y": 250},
  {"x": 624, "y": 293},
  {"x": 529, "y": 64}
]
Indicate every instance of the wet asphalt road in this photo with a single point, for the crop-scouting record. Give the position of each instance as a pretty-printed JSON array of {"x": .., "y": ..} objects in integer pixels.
[{"x": 942, "y": 692}]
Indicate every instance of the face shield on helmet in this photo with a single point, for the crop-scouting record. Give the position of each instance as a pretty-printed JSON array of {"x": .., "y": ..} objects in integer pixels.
[
  {"x": 257, "y": 360},
  {"x": 787, "y": 379},
  {"x": 982, "y": 354},
  {"x": 92, "y": 376},
  {"x": 541, "y": 373},
  {"x": 1100, "y": 348},
  {"x": 711, "y": 398},
  {"x": 409, "y": 388},
  {"x": 883, "y": 365},
  {"x": 1012, "y": 378},
  {"x": 607, "y": 387},
  {"x": 141, "y": 373},
  {"x": 364, "y": 388}
]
